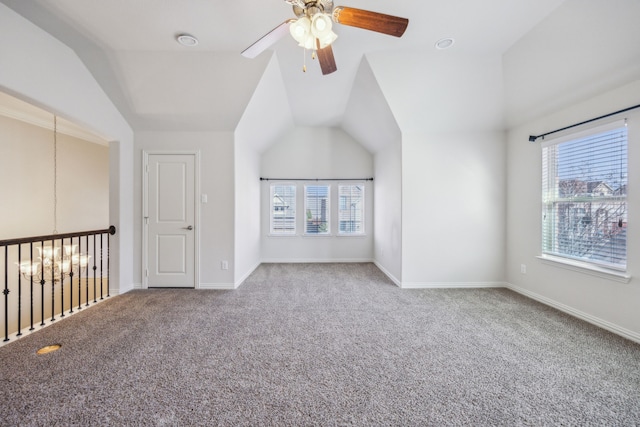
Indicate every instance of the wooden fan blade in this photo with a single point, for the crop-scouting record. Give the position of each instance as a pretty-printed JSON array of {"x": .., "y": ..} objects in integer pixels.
[
  {"x": 267, "y": 40},
  {"x": 373, "y": 21},
  {"x": 326, "y": 59}
]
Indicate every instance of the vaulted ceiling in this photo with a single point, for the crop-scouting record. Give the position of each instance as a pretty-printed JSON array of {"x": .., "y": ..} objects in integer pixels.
[{"x": 157, "y": 84}]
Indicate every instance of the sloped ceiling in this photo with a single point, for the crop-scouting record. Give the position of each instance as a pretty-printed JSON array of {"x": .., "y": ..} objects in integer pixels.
[
  {"x": 267, "y": 115},
  {"x": 159, "y": 85},
  {"x": 368, "y": 117},
  {"x": 584, "y": 48}
]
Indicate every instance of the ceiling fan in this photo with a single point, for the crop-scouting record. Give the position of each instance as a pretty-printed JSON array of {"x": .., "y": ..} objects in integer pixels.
[{"x": 313, "y": 28}]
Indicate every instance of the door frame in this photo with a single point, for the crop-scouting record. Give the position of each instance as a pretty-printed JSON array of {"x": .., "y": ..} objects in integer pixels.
[{"x": 145, "y": 212}]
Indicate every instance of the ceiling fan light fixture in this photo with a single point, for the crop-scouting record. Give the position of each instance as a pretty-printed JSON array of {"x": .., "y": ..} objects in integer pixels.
[
  {"x": 300, "y": 29},
  {"x": 321, "y": 25},
  {"x": 327, "y": 40}
]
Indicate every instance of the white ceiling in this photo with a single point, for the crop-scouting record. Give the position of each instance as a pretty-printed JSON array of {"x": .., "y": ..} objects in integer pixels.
[{"x": 159, "y": 85}]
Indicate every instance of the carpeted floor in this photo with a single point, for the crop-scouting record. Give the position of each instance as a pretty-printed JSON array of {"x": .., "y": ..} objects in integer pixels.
[{"x": 321, "y": 344}]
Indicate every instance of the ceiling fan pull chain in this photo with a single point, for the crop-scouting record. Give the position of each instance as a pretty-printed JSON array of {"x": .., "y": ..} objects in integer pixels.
[{"x": 304, "y": 60}]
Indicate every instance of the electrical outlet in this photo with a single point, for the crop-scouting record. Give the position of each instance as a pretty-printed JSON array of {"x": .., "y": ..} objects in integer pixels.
[
  {"x": 523, "y": 269},
  {"x": 224, "y": 265}
]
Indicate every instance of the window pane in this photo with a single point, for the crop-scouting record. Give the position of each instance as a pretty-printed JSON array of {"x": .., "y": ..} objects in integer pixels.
[
  {"x": 317, "y": 210},
  {"x": 585, "y": 198},
  {"x": 283, "y": 209},
  {"x": 351, "y": 209}
]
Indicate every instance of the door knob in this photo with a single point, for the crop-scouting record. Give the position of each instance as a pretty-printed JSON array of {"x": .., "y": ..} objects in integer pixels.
[{"x": 189, "y": 227}]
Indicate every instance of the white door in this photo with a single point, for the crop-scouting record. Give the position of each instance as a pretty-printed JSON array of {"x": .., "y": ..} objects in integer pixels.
[{"x": 171, "y": 220}]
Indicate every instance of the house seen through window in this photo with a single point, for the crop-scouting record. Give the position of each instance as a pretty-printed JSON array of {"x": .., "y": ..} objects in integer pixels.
[
  {"x": 283, "y": 209},
  {"x": 584, "y": 187},
  {"x": 351, "y": 209}
]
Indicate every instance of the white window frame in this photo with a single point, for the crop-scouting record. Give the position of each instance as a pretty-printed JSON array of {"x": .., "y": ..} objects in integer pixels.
[
  {"x": 351, "y": 211},
  {"x": 291, "y": 206},
  {"x": 311, "y": 212},
  {"x": 552, "y": 196}
]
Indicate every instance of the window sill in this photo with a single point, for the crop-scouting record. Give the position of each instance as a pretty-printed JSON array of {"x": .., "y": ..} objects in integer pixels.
[
  {"x": 351, "y": 235},
  {"x": 282, "y": 235},
  {"x": 314, "y": 235},
  {"x": 585, "y": 268}
]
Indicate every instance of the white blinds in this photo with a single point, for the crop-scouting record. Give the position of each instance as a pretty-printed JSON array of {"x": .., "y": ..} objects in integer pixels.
[
  {"x": 317, "y": 210},
  {"x": 283, "y": 209},
  {"x": 584, "y": 187},
  {"x": 351, "y": 209}
]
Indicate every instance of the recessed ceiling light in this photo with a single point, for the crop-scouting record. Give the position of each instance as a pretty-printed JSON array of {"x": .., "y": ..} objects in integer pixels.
[
  {"x": 445, "y": 43},
  {"x": 187, "y": 40}
]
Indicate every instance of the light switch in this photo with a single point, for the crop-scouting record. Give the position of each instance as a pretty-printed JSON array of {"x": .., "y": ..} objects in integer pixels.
[{"x": 203, "y": 198}]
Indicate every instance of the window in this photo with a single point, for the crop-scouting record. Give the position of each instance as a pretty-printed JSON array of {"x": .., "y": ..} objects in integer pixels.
[
  {"x": 584, "y": 188},
  {"x": 351, "y": 209},
  {"x": 283, "y": 210},
  {"x": 316, "y": 207}
]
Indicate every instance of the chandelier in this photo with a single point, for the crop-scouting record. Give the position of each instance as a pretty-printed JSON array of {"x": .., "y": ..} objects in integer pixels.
[{"x": 56, "y": 261}]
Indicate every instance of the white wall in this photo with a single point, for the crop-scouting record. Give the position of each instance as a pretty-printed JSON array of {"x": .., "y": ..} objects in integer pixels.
[
  {"x": 388, "y": 210},
  {"x": 265, "y": 119},
  {"x": 38, "y": 68},
  {"x": 453, "y": 209},
  {"x": 216, "y": 216},
  {"x": 316, "y": 153},
  {"x": 606, "y": 302}
]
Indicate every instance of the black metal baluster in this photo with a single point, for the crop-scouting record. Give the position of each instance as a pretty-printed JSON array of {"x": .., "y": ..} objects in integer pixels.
[
  {"x": 101, "y": 271},
  {"x": 79, "y": 275},
  {"x": 19, "y": 289},
  {"x": 94, "y": 268},
  {"x": 6, "y": 296},
  {"x": 31, "y": 284},
  {"x": 53, "y": 279},
  {"x": 87, "y": 272},
  {"x": 42, "y": 282},
  {"x": 71, "y": 281},
  {"x": 62, "y": 280},
  {"x": 112, "y": 230}
]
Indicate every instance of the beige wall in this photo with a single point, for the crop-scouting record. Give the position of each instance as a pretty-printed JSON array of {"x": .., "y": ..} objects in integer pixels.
[{"x": 26, "y": 162}]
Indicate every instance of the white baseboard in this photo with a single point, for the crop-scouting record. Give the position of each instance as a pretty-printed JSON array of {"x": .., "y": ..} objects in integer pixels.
[
  {"x": 247, "y": 274},
  {"x": 38, "y": 326},
  {"x": 611, "y": 327},
  {"x": 314, "y": 260},
  {"x": 451, "y": 285},
  {"x": 217, "y": 286},
  {"x": 387, "y": 273}
]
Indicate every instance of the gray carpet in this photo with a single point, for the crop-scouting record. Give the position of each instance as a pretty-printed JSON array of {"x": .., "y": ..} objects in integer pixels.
[{"x": 314, "y": 344}]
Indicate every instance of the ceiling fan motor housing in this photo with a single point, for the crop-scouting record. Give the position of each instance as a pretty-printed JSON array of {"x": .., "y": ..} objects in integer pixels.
[{"x": 311, "y": 7}]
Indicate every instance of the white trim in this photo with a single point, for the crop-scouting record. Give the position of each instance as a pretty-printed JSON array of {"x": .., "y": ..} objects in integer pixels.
[
  {"x": 315, "y": 260},
  {"x": 37, "y": 117},
  {"x": 585, "y": 130},
  {"x": 217, "y": 286},
  {"x": 196, "y": 211},
  {"x": 246, "y": 275},
  {"x": 38, "y": 327},
  {"x": 585, "y": 268},
  {"x": 451, "y": 285},
  {"x": 387, "y": 273},
  {"x": 611, "y": 327}
]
